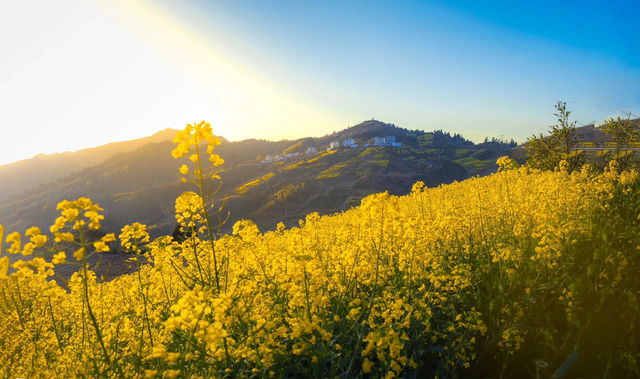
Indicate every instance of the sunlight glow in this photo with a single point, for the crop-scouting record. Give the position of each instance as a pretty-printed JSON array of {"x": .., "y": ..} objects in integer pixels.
[
  {"x": 110, "y": 71},
  {"x": 78, "y": 73}
]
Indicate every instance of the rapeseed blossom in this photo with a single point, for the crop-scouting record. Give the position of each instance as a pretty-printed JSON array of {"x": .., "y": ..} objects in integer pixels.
[
  {"x": 485, "y": 274},
  {"x": 133, "y": 237}
]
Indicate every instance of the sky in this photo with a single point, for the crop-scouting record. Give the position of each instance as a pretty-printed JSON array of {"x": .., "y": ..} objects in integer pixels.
[{"x": 82, "y": 73}]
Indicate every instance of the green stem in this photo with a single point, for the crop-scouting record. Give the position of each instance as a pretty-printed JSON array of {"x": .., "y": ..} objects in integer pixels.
[
  {"x": 86, "y": 296},
  {"x": 206, "y": 216}
]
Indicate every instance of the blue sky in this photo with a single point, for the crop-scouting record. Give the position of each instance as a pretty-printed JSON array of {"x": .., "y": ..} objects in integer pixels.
[
  {"x": 84, "y": 73},
  {"x": 432, "y": 64}
]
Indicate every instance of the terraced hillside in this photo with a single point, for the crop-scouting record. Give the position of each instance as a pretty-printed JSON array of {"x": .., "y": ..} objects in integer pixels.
[{"x": 300, "y": 177}]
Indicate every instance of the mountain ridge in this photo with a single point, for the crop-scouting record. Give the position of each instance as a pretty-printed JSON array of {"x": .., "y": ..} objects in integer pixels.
[
  {"x": 42, "y": 168},
  {"x": 141, "y": 185}
]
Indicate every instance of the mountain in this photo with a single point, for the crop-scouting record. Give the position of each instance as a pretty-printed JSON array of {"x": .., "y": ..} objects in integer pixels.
[
  {"x": 594, "y": 133},
  {"x": 264, "y": 181},
  {"x": 44, "y": 168}
]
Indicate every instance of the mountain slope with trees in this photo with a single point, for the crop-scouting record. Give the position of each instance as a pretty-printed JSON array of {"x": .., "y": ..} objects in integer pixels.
[{"x": 141, "y": 185}]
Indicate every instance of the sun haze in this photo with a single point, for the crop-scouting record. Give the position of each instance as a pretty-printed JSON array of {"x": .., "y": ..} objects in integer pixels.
[{"x": 76, "y": 73}]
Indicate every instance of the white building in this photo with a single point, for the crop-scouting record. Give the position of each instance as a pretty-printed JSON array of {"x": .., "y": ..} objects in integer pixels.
[
  {"x": 349, "y": 142},
  {"x": 333, "y": 145},
  {"x": 391, "y": 141},
  {"x": 378, "y": 141},
  {"x": 311, "y": 150},
  {"x": 386, "y": 141}
]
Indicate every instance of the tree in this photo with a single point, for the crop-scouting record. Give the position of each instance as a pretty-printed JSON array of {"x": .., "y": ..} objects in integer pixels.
[
  {"x": 540, "y": 153},
  {"x": 546, "y": 153},
  {"x": 623, "y": 132}
]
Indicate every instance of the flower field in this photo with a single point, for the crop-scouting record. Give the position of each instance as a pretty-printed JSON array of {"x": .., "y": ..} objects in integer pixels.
[{"x": 519, "y": 273}]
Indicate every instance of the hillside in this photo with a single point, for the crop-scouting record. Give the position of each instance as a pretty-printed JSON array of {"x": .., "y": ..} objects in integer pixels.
[
  {"x": 43, "y": 168},
  {"x": 259, "y": 181},
  {"x": 519, "y": 274},
  {"x": 594, "y": 134}
]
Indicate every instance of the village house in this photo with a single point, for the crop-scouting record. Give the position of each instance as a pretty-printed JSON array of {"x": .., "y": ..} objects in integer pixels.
[
  {"x": 349, "y": 142},
  {"x": 386, "y": 141},
  {"x": 333, "y": 145}
]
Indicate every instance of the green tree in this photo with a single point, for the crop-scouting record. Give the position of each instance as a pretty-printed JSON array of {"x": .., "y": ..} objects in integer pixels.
[
  {"x": 623, "y": 131},
  {"x": 546, "y": 153}
]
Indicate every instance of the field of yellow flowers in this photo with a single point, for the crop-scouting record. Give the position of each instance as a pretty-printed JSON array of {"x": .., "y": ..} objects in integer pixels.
[{"x": 520, "y": 273}]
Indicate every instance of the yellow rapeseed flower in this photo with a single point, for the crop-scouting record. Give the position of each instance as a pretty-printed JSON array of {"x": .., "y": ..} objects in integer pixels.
[
  {"x": 14, "y": 240},
  {"x": 59, "y": 258},
  {"x": 366, "y": 366},
  {"x": 79, "y": 254}
]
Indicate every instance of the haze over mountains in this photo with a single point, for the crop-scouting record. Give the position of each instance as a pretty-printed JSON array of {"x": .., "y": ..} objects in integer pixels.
[
  {"x": 43, "y": 168},
  {"x": 264, "y": 181}
]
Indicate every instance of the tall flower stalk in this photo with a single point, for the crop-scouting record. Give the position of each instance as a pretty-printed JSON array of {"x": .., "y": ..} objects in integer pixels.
[{"x": 189, "y": 142}]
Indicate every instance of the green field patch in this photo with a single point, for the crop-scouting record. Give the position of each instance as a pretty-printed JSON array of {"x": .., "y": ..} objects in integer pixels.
[
  {"x": 382, "y": 162},
  {"x": 322, "y": 155},
  {"x": 474, "y": 165},
  {"x": 463, "y": 151},
  {"x": 363, "y": 172},
  {"x": 294, "y": 165},
  {"x": 369, "y": 150},
  {"x": 425, "y": 139},
  {"x": 474, "y": 162},
  {"x": 245, "y": 187},
  {"x": 328, "y": 175},
  {"x": 331, "y": 172}
]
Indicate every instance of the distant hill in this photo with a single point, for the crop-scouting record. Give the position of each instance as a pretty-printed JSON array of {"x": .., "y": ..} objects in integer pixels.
[
  {"x": 43, "y": 168},
  {"x": 594, "y": 133},
  {"x": 264, "y": 181}
]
